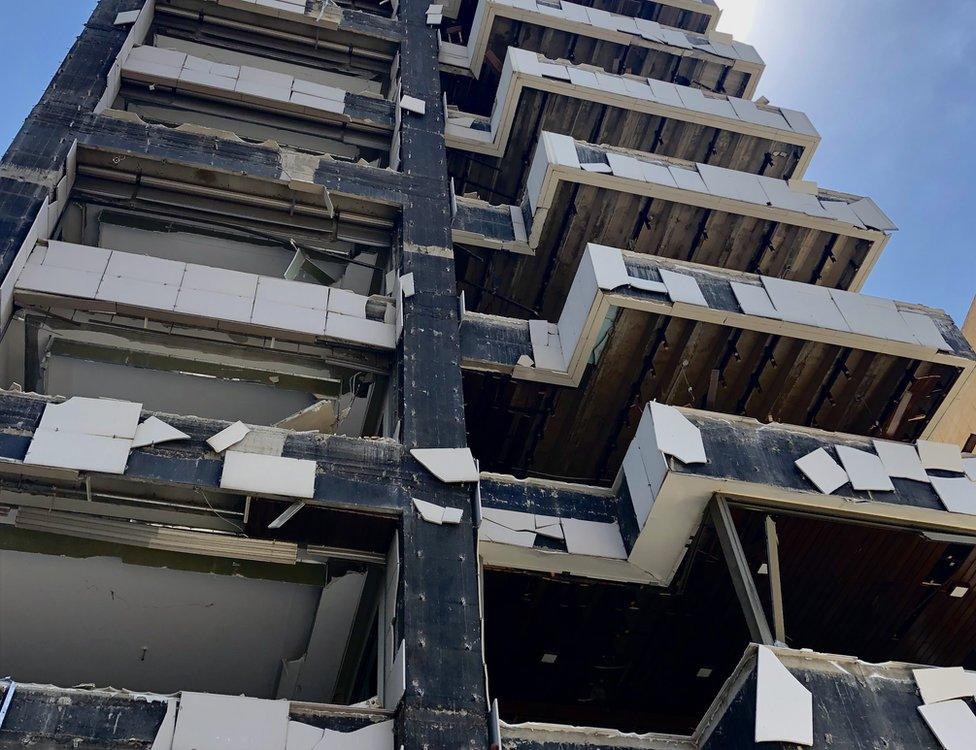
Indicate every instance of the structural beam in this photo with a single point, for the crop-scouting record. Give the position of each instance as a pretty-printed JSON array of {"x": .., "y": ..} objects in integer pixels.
[{"x": 745, "y": 586}]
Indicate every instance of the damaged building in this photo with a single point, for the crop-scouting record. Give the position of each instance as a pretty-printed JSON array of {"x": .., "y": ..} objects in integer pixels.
[{"x": 480, "y": 374}]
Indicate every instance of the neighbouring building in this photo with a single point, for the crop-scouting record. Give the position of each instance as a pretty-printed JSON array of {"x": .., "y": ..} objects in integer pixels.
[{"x": 476, "y": 374}]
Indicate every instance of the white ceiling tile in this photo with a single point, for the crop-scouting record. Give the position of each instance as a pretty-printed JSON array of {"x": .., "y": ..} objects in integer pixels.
[
  {"x": 676, "y": 435},
  {"x": 155, "y": 431},
  {"x": 594, "y": 538},
  {"x": 865, "y": 470},
  {"x": 944, "y": 456},
  {"x": 683, "y": 288},
  {"x": 78, "y": 451},
  {"x": 226, "y": 722},
  {"x": 450, "y": 465},
  {"x": 825, "y": 473},
  {"x": 952, "y": 722},
  {"x": 958, "y": 494},
  {"x": 273, "y": 475},
  {"x": 901, "y": 460},
  {"x": 784, "y": 707},
  {"x": 754, "y": 301}
]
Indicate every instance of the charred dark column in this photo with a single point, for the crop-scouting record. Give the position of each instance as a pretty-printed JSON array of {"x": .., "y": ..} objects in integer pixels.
[{"x": 445, "y": 704}]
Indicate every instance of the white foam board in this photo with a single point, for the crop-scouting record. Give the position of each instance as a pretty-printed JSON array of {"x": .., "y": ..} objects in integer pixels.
[
  {"x": 784, "y": 707},
  {"x": 214, "y": 305},
  {"x": 593, "y": 538},
  {"x": 943, "y": 684},
  {"x": 865, "y": 470},
  {"x": 872, "y": 316},
  {"x": 952, "y": 722},
  {"x": 286, "y": 317},
  {"x": 943, "y": 456},
  {"x": 154, "y": 431},
  {"x": 93, "y": 416},
  {"x": 675, "y": 435},
  {"x": 297, "y": 293},
  {"x": 78, "y": 451},
  {"x": 302, "y": 736},
  {"x": 396, "y": 678},
  {"x": 164, "y": 735},
  {"x": 228, "y": 436},
  {"x": 273, "y": 475},
  {"x": 450, "y": 465},
  {"x": 225, "y": 722},
  {"x": 138, "y": 293},
  {"x": 62, "y": 281},
  {"x": 925, "y": 331},
  {"x": 754, "y": 301},
  {"x": 804, "y": 303},
  {"x": 373, "y": 737},
  {"x": 222, "y": 280},
  {"x": 146, "y": 268},
  {"x": 76, "y": 257},
  {"x": 825, "y": 473},
  {"x": 958, "y": 494},
  {"x": 901, "y": 460},
  {"x": 683, "y": 288},
  {"x": 515, "y": 520},
  {"x": 489, "y": 531}
]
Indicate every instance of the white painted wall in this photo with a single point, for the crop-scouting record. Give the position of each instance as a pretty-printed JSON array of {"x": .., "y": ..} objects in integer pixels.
[{"x": 68, "y": 621}]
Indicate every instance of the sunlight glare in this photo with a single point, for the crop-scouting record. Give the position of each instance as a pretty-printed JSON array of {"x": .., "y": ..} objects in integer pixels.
[{"x": 738, "y": 17}]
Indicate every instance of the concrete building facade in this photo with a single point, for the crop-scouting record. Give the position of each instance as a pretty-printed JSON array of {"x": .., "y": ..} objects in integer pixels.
[{"x": 477, "y": 374}]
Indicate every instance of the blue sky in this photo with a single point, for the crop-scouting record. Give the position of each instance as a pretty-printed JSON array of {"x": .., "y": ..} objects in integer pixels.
[{"x": 890, "y": 84}]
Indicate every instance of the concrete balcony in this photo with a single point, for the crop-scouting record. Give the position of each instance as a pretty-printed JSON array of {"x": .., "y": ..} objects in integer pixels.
[
  {"x": 714, "y": 62},
  {"x": 536, "y": 94}
]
